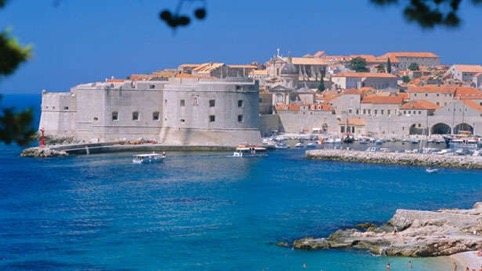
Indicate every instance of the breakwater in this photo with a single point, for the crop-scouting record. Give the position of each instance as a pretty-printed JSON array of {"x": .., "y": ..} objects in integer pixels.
[
  {"x": 94, "y": 148},
  {"x": 396, "y": 158}
]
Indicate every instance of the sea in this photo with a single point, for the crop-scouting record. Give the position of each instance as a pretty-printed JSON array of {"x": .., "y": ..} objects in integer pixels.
[{"x": 205, "y": 210}]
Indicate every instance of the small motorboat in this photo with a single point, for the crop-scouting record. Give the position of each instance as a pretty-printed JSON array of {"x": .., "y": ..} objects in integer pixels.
[
  {"x": 250, "y": 151},
  {"x": 431, "y": 170},
  {"x": 148, "y": 158}
]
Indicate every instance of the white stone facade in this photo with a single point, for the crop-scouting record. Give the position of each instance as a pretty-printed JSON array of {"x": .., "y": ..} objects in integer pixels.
[{"x": 215, "y": 112}]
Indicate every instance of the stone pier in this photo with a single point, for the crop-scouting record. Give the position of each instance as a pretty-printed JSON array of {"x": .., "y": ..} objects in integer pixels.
[{"x": 395, "y": 158}]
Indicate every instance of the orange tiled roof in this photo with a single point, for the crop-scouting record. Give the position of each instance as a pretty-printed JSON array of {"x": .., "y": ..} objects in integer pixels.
[
  {"x": 473, "y": 105},
  {"x": 413, "y": 54},
  {"x": 307, "y": 61},
  {"x": 364, "y": 74},
  {"x": 115, "y": 80},
  {"x": 420, "y": 105},
  {"x": 375, "y": 99},
  {"x": 447, "y": 89},
  {"x": 319, "y": 54},
  {"x": 186, "y": 75},
  {"x": 468, "y": 93},
  {"x": 289, "y": 107},
  {"x": 320, "y": 107},
  {"x": 242, "y": 66},
  {"x": 469, "y": 68},
  {"x": 352, "y": 91}
]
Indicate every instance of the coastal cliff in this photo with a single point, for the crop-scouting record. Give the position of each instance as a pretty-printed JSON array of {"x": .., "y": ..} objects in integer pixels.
[{"x": 410, "y": 233}]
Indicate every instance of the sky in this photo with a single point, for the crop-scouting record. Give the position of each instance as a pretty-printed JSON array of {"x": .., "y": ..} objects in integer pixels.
[{"x": 80, "y": 41}]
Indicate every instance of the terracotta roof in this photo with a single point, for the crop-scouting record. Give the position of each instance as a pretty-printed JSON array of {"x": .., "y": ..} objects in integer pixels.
[
  {"x": 420, "y": 105},
  {"x": 413, "y": 54},
  {"x": 207, "y": 67},
  {"x": 469, "y": 68},
  {"x": 375, "y": 99},
  {"x": 186, "y": 75},
  {"x": 115, "y": 80},
  {"x": 472, "y": 104},
  {"x": 364, "y": 74},
  {"x": 465, "y": 93},
  {"x": 190, "y": 65},
  {"x": 320, "y": 107},
  {"x": 447, "y": 89},
  {"x": 351, "y": 91},
  {"x": 289, "y": 107},
  {"x": 319, "y": 53},
  {"x": 242, "y": 66},
  {"x": 308, "y": 61}
]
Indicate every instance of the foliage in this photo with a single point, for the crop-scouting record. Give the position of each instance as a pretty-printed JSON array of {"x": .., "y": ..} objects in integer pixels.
[
  {"x": 430, "y": 13},
  {"x": 389, "y": 66},
  {"x": 413, "y": 66},
  {"x": 358, "y": 64},
  {"x": 321, "y": 86},
  {"x": 14, "y": 127},
  {"x": 11, "y": 54},
  {"x": 405, "y": 79},
  {"x": 380, "y": 68},
  {"x": 176, "y": 18}
]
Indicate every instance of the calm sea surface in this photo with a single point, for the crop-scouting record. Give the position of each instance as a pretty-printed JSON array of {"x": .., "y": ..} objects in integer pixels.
[{"x": 205, "y": 211}]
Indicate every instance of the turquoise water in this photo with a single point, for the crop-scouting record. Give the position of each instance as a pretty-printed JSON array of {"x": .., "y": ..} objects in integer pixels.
[{"x": 206, "y": 211}]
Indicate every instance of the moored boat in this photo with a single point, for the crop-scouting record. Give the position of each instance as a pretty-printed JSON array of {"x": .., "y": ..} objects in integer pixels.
[
  {"x": 250, "y": 151},
  {"x": 148, "y": 158}
]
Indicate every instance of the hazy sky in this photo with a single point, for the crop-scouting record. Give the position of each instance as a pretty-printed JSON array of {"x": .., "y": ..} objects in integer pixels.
[{"x": 82, "y": 41}]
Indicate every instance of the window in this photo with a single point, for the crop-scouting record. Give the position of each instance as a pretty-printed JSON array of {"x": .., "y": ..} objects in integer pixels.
[
  {"x": 420, "y": 112},
  {"x": 212, "y": 103},
  {"x": 182, "y": 103},
  {"x": 135, "y": 115},
  {"x": 182, "y": 120},
  {"x": 426, "y": 94},
  {"x": 240, "y": 118},
  {"x": 349, "y": 111},
  {"x": 155, "y": 115},
  {"x": 238, "y": 87},
  {"x": 381, "y": 112},
  {"x": 437, "y": 103},
  {"x": 357, "y": 112},
  {"x": 115, "y": 115},
  {"x": 66, "y": 108},
  {"x": 375, "y": 111},
  {"x": 240, "y": 103},
  {"x": 364, "y": 111},
  {"x": 260, "y": 100},
  {"x": 212, "y": 118},
  {"x": 388, "y": 111},
  {"x": 96, "y": 118},
  {"x": 152, "y": 86}
]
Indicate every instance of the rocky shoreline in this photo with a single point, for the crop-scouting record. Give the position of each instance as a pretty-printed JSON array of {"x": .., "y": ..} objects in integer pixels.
[
  {"x": 410, "y": 233},
  {"x": 395, "y": 158}
]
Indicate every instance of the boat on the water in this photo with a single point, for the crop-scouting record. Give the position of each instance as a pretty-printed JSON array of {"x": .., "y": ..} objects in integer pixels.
[
  {"x": 148, "y": 158},
  {"x": 250, "y": 151},
  {"x": 431, "y": 170}
]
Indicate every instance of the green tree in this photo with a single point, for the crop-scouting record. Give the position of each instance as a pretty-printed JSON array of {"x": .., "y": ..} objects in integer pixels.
[
  {"x": 380, "y": 68},
  {"x": 413, "y": 66},
  {"x": 405, "y": 79},
  {"x": 321, "y": 86},
  {"x": 14, "y": 126},
  {"x": 389, "y": 66},
  {"x": 430, "y": 13},
  {"x": 358, "y": 64}
]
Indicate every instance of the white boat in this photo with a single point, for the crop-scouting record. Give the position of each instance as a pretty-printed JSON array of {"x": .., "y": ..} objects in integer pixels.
[
  {"x": 148, "y": 158},
  {"x": 281, "y": 146},
  {"x": 250, "y": 151},
  {"x": 311, "y": 145},
  {"x": 431, "y": 170}
]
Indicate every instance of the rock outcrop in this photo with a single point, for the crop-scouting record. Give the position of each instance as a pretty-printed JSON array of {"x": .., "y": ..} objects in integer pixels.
[
  {"x": 411, "y": 233},
  {"x": 42, "y": 152}
]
